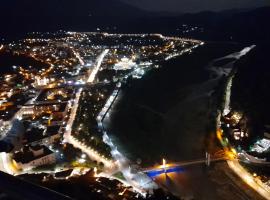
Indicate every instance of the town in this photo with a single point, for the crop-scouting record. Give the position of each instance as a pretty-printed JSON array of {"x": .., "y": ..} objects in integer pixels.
[{"x": 52, "y": 111}]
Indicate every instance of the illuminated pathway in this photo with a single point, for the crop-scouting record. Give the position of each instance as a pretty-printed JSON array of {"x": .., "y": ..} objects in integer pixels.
[
  {"x": 74, "y": 107},
  {"x": 70, "y": 139},
  {"x": 137, "y": 179}
]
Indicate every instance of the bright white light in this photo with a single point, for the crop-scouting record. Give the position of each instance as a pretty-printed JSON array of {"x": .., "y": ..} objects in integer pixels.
[
  {"x": 83, "y": 156},
  {"x": 81, "y": 160}
]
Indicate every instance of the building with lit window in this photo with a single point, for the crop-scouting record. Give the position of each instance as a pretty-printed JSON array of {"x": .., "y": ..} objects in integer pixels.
[{"x": 34, "y": 156}]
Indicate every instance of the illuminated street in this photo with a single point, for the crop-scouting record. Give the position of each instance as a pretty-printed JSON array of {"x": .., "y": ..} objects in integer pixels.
[{"x": 249, "y": 179}]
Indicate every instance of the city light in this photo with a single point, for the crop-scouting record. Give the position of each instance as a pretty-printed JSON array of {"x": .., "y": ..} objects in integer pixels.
[{"x": 73, "y": 66}]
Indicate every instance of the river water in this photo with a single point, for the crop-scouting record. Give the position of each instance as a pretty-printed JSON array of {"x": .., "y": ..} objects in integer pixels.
[{"x": 167, "y": 114}]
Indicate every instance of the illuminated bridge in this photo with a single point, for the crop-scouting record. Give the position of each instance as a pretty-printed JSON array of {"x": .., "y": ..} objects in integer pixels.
[{"x": 178, "y": 166}]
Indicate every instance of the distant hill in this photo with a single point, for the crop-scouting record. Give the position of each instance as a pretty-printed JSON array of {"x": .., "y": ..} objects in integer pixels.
[
  {"x": 19, "y": 16},
  {"x": 229, "y": 25},
  {"x": 240, "y": 26},
  {"x": 60, "y": 8}
]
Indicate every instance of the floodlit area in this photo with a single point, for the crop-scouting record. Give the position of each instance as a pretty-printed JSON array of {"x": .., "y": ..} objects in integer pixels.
[{"x": 261, "y": 145}]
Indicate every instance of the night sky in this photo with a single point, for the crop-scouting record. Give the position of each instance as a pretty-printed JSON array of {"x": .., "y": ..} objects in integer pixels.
[
  {"x": 113, "y": 7},
  {"x": 195, "y": 5}
]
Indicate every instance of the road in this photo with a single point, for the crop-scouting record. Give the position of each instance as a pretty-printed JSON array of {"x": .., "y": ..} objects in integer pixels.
[
  {"x": 94, "y": 155},
  {"x": 97, "y": 66},
  {"x": 77, "y": 55},
  {"x": 70, "y": 139},
  {"x": 256, "y": 184}
]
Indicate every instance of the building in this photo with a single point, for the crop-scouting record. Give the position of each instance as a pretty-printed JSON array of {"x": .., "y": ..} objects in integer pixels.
[
  {"x": 34, "y": 156},
  {"x": 27, "y": 110},
  {"x": 47, "y": 136},
  {"x": 57, "y": 109},
  {"x": 124, "y": 64},
  {"x": 42, "y": 81},
  {"x": 54, "y": 95},
  {"x": 61, "y": 111}
]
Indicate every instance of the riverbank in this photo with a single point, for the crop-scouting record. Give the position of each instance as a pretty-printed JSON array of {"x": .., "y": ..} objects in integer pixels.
[{"x": 252, "y": 186}]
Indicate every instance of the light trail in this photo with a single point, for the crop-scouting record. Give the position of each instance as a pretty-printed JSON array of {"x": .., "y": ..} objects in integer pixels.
[{"x": 97, "y": 66}]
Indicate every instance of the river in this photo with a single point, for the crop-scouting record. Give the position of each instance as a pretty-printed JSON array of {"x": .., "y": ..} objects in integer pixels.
[{"x": 167, "y": 114}]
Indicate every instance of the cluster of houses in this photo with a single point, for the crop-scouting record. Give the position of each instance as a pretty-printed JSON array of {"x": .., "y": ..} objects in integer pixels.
[{"x": 38, "y": 125}]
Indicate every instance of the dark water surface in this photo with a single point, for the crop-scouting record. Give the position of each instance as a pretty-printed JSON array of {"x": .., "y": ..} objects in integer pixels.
[{"x": 167, "y": 115}]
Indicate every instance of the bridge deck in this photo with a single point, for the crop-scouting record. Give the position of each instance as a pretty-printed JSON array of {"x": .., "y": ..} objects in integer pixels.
[{"x": 181, "y": 164}]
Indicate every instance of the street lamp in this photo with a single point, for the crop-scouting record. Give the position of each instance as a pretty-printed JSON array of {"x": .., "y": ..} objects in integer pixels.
[{"x": 164, "y": 165}]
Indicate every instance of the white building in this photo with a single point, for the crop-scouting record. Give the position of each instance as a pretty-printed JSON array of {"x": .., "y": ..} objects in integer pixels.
[
  {"x": 32, "y": 157},
  {"x": 124, "y": 64}
]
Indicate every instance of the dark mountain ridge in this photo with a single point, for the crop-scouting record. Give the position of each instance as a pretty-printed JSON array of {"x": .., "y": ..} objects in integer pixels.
[{"x": 16, "y": 16}]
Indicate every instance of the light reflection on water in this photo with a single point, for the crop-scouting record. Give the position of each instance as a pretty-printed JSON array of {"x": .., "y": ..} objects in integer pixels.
[{"x": 157, "y": 172}]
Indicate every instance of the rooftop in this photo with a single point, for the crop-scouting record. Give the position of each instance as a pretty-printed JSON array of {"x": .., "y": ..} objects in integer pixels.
[{"x": 27, "y": 155}]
